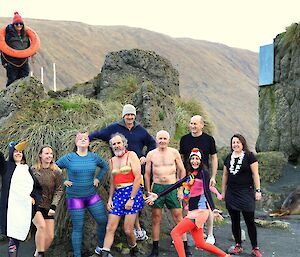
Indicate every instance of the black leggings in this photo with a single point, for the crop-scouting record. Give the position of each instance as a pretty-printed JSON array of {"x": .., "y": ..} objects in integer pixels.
[{"x": 236, "y": 226}]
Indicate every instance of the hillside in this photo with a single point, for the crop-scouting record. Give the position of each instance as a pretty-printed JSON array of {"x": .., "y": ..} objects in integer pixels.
[{"x": 223, "y": 79}]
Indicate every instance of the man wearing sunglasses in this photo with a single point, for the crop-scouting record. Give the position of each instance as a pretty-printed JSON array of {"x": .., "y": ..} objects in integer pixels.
[{"x": 17, "y": 38}]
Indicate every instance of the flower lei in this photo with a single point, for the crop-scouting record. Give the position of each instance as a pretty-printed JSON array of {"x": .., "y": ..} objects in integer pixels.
[
  {"x": 237, "y": 168},
  {"x": 187, "y": 185}
]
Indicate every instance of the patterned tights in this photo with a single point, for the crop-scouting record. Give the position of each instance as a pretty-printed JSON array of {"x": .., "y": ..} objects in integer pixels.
[{"x": 98, "y": 212}]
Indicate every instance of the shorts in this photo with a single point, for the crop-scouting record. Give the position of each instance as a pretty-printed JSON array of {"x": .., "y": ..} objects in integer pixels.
[
  {"x": 121, "y": 196},
  {"x": 44, "y": 212},
  {"x": 82, "y": 202},
  {"x": 170, "y": 199}
]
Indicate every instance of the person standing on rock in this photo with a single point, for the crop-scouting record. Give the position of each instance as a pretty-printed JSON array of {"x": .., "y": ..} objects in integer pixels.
[
  {"x": 125, "y": 193},
  {"x": 240, "y": 189},
  {"x": 138, "y": 139},
  {"x": 206, "y": 143},
  {"x": 50, "y": 179},
  {"x": 81, "y": 193},
  {"x": 166, "y": 165},
  {"x": 196, "y": 191},
  {"x": 16, "y": 38}
]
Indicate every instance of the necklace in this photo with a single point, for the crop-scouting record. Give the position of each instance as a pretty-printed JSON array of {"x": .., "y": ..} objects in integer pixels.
[{"x": 234, "y": 170}]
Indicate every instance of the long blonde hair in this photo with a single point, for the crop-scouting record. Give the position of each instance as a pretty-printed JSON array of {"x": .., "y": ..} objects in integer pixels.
[{"x": 38, "y": 165}]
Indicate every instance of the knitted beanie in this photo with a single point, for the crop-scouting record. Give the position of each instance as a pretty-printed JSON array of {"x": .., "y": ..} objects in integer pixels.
[
  {"x": 195, "y": 151},
  {"x": 17, "y": 18},
  {"x": 128, "y": 109}
]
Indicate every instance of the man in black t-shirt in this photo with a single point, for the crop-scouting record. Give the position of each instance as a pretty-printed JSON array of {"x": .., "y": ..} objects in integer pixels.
[{"x": 206, "y": 143}]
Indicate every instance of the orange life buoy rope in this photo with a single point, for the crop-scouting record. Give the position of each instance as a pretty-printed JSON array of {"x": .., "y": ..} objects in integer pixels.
[{"x": 34, "y": 44}]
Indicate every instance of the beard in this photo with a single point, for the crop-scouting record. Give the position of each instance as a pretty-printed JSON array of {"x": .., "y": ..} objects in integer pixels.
[{"x": 119, "y": 152}]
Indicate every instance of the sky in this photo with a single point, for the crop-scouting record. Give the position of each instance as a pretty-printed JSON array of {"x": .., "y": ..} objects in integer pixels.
[{"x": 236, "y": 23}]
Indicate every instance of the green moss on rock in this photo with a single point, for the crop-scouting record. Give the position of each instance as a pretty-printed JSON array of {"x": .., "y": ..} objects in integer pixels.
[{"x": 270, "y": 165}]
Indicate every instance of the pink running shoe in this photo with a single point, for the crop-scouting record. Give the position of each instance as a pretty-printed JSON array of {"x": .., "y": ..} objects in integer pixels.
[
  {"x": 256, "y": 252},
  {"x": 237, "y": 249}
]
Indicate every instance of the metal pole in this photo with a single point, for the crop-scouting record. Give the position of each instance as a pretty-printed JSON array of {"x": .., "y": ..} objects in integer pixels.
[
  {"x": 54, "y": 77},
  {"x": 42, "y": 75}
]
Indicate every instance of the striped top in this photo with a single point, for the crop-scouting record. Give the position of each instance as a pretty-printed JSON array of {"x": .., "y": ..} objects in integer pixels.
[{"x": 81, "y": 172}]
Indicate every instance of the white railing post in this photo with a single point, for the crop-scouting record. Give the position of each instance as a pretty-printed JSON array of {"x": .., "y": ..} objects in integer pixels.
[
  {"x": 42, "y": 75},
  {"x": 54, "y": 77}
]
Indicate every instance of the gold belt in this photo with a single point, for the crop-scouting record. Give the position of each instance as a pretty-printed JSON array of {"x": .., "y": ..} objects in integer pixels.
[{"x": 123, "y": 185}]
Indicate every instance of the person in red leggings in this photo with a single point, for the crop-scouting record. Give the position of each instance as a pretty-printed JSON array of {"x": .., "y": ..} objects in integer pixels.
[{"x": 196, "y": 191}]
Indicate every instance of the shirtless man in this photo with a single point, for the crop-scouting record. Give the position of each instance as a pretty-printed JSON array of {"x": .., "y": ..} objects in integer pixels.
[{"x": 167, "y": 168}]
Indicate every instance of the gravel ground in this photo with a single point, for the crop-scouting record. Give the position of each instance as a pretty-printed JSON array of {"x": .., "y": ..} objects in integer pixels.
[{"x": 274, "y": 242}]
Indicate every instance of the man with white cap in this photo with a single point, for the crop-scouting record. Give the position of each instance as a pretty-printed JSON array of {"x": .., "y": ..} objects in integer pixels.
[{"x": 138, "y": 138}]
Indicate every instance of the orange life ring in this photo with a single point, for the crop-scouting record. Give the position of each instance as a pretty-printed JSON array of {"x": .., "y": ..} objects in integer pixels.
[{"x": 34, "y": 44}]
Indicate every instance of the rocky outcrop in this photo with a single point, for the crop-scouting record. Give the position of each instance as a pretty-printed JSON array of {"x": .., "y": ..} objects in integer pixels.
[
  {"x": 144, "y": 79},
  {"x": 19, "y": 94},
  {"x": 279, "y": 103},
  {"x": 143, "y": 66}
]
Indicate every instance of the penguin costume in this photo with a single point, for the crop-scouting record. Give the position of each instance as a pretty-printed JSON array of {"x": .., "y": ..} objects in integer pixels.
[{"x": 20, "y": 192}]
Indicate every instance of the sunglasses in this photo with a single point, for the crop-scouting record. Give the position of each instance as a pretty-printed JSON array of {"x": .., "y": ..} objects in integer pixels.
[{"x": 18, "y": 23}]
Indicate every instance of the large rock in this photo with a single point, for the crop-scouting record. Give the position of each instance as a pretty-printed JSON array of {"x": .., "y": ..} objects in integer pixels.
[
  {"x": 155, "y": 109},
  {"x": 143, "y": 65},
  {"x": 144, "y": 79},
  {"x": 19, "y": 94},
  {"x": 279, "y": 104}
]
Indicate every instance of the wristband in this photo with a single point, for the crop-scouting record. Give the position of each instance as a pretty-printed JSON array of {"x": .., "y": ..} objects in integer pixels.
[
  {"x": 131, "y": 198},
  {"x": 258, "y": 190}
]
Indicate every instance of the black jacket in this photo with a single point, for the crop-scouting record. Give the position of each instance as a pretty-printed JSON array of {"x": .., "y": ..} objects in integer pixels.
[{"x": 15, "y": 41}]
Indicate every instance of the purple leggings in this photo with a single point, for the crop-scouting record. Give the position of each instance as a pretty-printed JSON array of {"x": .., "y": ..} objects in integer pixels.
[{"x": 83, "y": 202}]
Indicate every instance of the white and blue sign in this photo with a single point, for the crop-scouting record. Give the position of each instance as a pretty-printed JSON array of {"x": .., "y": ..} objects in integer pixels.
[{"x": 266, "y": 65}]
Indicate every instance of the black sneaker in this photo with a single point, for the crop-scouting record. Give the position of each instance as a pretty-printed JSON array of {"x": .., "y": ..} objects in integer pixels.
[{"x": 104, "y": 253}]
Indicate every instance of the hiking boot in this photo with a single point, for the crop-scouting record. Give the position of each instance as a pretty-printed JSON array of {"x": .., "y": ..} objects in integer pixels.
[
  {"x": 237, "y": 249},
  {"x": 140, "y": 234},
  {"x": 256, "y": 252},
  {"x": 210, "y": 239}
]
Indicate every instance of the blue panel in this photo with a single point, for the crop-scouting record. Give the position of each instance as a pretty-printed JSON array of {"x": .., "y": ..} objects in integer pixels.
[{"x": 266, "y": 65}]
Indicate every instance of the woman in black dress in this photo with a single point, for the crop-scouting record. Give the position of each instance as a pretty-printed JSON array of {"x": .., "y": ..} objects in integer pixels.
[{"x": 240, "y": 189}]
